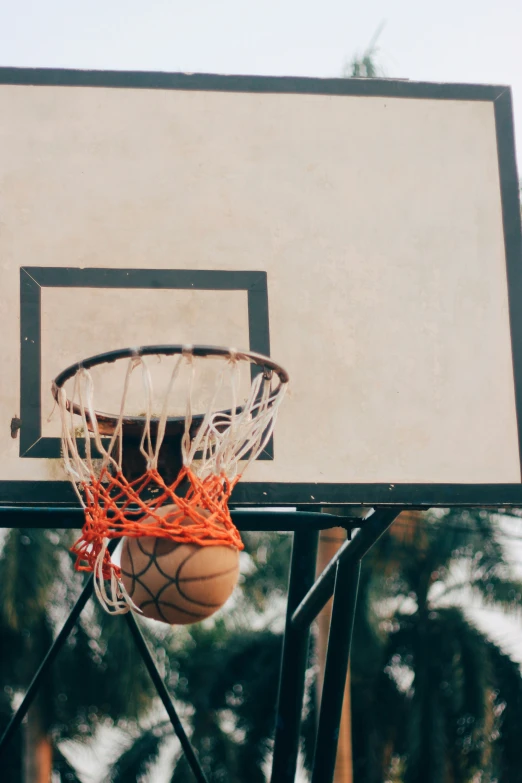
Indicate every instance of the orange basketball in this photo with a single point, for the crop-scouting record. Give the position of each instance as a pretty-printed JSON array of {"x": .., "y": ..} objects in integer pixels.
[{"x": 178, "y": 583}]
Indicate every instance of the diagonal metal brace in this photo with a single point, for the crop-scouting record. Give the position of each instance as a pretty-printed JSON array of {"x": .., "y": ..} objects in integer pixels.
[
  {"x": 350, "y": 552},
  {"x": 163, "y": 693},
  {"x": 44, "y": 667}
]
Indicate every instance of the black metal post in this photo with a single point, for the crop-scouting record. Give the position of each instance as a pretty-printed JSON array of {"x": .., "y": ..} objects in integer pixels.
[
  {"x": 351, "y": 552},
  {"x": 293, "y": 661},
  {"x": 337, "y": 657},
  {"x": 278, "y": 521},
  {"x": 163, "y": 693}
]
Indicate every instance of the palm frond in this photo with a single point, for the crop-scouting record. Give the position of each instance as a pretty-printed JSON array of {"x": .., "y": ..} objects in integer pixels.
[
  {"x": 217, "y": 753},
  {"x": 137, "y": 759},
  {"x": 499, "y": 591},
  {"x": 470, "y": 534}
]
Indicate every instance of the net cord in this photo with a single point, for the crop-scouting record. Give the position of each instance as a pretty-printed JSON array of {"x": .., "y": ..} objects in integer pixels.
[{"x": 225, "y": 444}]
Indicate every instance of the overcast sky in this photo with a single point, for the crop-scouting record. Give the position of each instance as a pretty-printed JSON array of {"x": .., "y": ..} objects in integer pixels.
[{"x": 451, "y": 40}]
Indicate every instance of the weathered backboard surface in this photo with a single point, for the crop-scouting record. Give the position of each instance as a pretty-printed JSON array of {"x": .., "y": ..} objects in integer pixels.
[{"x": 365, "y": 234}]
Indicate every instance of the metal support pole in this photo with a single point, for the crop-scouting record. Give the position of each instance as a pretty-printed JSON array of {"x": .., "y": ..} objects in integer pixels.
[
  {"x": 339, "y": 642},
  {"x": 293, "y": 661},
  {"x": 163, "y": 693},
  {"x": 351, "y": 552}
]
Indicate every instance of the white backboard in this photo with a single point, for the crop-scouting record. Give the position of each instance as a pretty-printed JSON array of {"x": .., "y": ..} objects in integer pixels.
[{"x": 365, "y": 233}]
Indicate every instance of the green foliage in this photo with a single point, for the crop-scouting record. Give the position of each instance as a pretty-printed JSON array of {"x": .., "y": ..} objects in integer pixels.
[
  {"x": 270, "y": 558},
  {"x": 365, "y": 65},
  {"x": 230, "y": 678},
  {"x": 28, "y": 567},
  {"x": 430, "y": 691},
  {"x": 508, "y": 711},
  {"x": 136, "y": 760},
  {"x": 98, "y": 676},
  {"x": 12, "y": 761},
  {"x": 433, "y": 699}
]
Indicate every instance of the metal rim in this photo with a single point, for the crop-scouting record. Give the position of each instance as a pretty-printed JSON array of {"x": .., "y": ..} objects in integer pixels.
[{"x": 133, "y": 425}]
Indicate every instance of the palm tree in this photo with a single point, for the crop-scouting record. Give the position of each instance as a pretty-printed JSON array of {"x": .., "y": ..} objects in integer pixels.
[
  {"x": 99, "y": 677},
  {"x": 433, "y": 696},
  {"x": 365, "y": 65}
]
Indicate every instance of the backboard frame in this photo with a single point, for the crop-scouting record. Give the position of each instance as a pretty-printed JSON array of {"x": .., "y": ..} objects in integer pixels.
[{"x": 316, "y": 494}]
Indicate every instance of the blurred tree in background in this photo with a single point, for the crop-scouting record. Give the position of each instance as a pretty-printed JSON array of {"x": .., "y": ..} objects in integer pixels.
[
  {"x": 98, "y": 678},
  {"x": 433, "y": 698}
]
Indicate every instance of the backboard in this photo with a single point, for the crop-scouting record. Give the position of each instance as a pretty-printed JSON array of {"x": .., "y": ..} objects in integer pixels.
[{"x": 364, "y": 233}]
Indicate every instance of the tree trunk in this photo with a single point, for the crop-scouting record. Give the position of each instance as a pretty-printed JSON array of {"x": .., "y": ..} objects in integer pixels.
[
  {"x": 37, "y": 748},
  {"x": 329, "y": 543}
]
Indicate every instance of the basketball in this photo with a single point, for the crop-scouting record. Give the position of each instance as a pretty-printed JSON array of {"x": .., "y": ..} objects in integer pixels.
[{"x": 176, "y": 583}]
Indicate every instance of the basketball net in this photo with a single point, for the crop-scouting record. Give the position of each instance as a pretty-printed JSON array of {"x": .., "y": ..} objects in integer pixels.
[{"x": 214, "y": 457}]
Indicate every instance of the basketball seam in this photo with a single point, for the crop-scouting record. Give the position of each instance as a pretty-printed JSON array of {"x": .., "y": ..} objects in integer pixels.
[
  {"x": 175, "y": 606},
  {"x": 144, "y": 586},
  {"x": 133, "y": 569},
  {"x": 155, "y": 599},
  {"x": 207, "y": 576},
  {"x": 143, "y": 551},
  {"x": 180, "y": 591},
  {"x": 194, "y": 600},
  {"x": 168, "y": 576}
]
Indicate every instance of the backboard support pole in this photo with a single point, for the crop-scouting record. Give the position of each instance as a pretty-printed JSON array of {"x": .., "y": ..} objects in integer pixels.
[
  {"x": 337, "y": 658},
  {"x": 294, "y": 660}
]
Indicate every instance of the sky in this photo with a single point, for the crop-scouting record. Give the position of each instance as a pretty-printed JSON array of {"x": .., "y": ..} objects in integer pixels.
[{"x": 476, "y": 41}]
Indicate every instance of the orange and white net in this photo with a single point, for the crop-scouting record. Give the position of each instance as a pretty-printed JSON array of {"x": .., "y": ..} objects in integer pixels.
[{"x": 215, "y": 454}]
